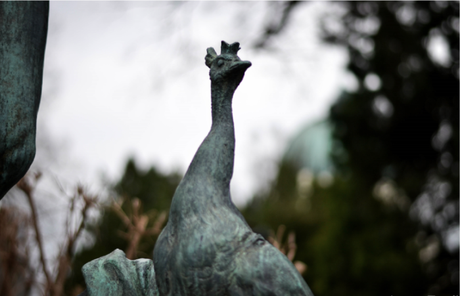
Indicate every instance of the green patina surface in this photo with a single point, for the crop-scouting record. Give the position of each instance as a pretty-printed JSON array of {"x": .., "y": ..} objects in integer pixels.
[
  {"x": 23, "y": 30},
  {"x": 115, "y": 275},
  {"x": 207, "y": 248}
]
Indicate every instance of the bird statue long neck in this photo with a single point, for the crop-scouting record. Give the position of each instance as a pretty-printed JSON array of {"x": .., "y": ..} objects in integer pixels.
[
  {"x": 213, "y": 161},
  {"x": 221, "y": 102},
  {"x": 222, "y": 135}
]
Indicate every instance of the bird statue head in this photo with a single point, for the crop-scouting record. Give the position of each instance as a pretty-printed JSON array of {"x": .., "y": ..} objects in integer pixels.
[{"x": 227, "y": 65}]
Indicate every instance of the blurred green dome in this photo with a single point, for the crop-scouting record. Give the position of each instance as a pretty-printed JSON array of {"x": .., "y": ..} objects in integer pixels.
[{"x": 311, "y": 148}]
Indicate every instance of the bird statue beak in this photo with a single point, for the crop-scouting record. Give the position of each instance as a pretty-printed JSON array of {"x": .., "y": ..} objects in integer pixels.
[{"x": 241, "y": 66}]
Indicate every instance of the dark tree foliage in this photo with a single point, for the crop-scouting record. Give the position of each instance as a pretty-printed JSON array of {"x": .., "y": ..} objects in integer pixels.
[
  {"x": 411, "y": 122},
  {"x": 382, "y": 227},
  {"x": 405, "y": 130},
  {"x": 155, "y": 191}
]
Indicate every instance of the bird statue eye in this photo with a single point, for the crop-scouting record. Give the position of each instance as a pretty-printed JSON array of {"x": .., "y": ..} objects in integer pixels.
[
  {"x": 220, "y": 63},
  {"x": 260, "y": 241}
]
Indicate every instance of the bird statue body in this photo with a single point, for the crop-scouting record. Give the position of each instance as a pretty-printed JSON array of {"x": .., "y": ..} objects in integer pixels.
[{"x": 207, "y": 248}]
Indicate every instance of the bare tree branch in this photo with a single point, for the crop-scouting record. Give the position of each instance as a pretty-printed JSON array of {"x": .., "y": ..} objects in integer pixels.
[
  {"x": 275, "y": 27},
  {"x": 65, "y": 257},
  {"x": 137, "y": 225},
  {"x": 55, "y": 284},
  {"x": 25, "y": 186}
]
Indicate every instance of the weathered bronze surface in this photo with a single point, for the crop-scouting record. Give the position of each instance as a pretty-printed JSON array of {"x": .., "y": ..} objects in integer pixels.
[
  {"x": 207, "y": 248},
  {"x": 23, "y": 29},
  {"x": 114, "y": 275}
]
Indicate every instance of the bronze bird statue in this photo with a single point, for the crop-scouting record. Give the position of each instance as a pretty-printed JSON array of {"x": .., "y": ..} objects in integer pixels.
[{"x": 207, "y": 248}]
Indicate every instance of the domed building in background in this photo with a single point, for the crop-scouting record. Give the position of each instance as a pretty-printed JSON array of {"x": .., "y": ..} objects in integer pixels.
[
  {"x": 310, "y": 154},
  {"x": 311, "y": 148}
]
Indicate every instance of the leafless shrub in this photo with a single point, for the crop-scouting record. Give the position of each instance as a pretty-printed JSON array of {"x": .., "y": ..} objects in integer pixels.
[{"x": 18, "y": 277}]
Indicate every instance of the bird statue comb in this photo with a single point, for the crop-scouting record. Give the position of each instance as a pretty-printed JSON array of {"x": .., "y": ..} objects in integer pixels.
[
  {"x": 232, "y": 49},
  {"x": 225, "y": 48}
]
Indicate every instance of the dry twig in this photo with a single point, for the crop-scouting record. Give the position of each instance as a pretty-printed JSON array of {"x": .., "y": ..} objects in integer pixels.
[
  {"x": 25, "y": 186},
  {"x": 137, "y": 225},
  {"x": 66, "y": 254},
  {"x": 289, "y": 248}
]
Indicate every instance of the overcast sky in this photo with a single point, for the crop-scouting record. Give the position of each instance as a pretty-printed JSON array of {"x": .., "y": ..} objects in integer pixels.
[{"x": 128, "y": 79}]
